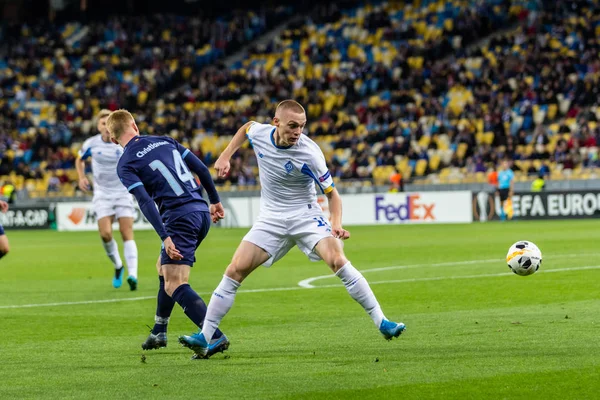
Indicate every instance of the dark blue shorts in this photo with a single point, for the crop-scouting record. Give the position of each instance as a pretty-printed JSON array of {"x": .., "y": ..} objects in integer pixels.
[
  {"x": 1, "y": 230},
  {"x": 186, "y": 233}
]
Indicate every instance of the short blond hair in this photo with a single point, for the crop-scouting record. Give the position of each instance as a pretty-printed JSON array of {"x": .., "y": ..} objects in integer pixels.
[
  {"x": 118, "y": 122},
  {"x": 291, "y": 105},
  {"x": 102, "y": 114}
]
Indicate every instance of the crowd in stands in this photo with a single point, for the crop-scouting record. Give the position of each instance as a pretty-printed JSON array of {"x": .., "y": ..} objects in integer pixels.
[
  {"x": 53, "y": 79},
  {"x": 328, "y": 65},
  {"x": 390, "y": 89}
]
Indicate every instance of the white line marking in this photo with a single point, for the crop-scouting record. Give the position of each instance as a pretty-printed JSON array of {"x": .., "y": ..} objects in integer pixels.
[
  {"x": 441, "y": 278},
  {"x": 282, "y": 289},
  {"x": 307, "y": 283},
  {"x": 75, "y": 303}
]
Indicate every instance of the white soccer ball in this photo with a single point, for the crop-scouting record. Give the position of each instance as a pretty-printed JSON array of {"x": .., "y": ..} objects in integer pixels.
[{"x": 524, "y": 258}]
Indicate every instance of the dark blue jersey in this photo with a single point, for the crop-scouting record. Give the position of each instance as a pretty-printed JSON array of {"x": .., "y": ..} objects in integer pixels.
[{"x": 159, "y": 165}]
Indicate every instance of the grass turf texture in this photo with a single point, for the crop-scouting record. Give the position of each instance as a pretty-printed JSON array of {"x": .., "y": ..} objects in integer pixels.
[{"x": 499, "y": 336}]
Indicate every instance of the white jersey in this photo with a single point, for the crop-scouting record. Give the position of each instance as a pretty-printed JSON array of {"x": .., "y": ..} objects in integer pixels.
[
  {"x": 288, "y": 174},
  {"x": 105, "y": 157}
]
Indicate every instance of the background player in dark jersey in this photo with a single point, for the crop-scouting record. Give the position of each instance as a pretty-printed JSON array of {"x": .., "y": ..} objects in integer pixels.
[{"x": 156, "y": 170}]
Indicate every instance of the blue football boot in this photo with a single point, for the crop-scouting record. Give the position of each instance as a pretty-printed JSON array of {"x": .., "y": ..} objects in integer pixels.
[
  {"x": 197, "y": 343},
  {"x": 118, "y": 278},
  {"x": 390, "y": 329},
  {"x": 132, "y": 281}
]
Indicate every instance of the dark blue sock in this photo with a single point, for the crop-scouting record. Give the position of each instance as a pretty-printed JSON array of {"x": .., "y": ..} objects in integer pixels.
[
  {"x": 193, "y": 306},
  {"x": 164, "y": 306}
]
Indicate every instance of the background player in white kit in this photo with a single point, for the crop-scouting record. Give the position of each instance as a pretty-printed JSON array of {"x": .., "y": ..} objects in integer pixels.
[
  {"x": 289, "y": 166},
  {"x": 111, "y": 200}
]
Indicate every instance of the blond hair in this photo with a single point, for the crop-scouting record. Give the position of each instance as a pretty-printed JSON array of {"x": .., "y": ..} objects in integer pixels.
[
  {"x": 102, "y": 114},
  {"x": 118, "y": 122},
  {"x": 291, "y": 105}
]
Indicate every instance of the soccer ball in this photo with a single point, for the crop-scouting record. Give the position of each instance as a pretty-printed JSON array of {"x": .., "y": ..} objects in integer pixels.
[{"x": 524, "y": 258}]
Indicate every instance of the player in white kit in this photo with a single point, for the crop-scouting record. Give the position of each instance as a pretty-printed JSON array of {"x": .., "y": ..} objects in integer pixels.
[
  {"x": 289, "y": 166},
  {"x": 111, "y": 200}
]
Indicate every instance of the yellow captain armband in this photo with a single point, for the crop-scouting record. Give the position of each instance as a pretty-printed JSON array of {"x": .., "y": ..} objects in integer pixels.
[{"x": 328, "y": 190}]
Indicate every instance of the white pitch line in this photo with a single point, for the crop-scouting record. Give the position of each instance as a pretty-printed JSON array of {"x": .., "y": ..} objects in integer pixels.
[
  {"x": 307, "y": 283},
  {"x": 441, "y": 278},
  {"x": 282, "y": 289},
  {"x": 444, "y": 278},
  {"x": 75, "y": 303}
]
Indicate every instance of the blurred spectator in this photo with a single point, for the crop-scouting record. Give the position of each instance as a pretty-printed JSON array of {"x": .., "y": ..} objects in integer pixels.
[
  {"x": 53, "y": 183},
  {"x": 397, "y": 182},
  {"x": 8, "y": 192},
  {"x": 538, "y": 184}
]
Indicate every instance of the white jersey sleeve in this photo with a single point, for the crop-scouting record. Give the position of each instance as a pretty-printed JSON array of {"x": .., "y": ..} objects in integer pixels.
[
  {"x": 318, "y": 168},
  {"x": 252, "y": 130},
  {"x": 86, "y": 149}
]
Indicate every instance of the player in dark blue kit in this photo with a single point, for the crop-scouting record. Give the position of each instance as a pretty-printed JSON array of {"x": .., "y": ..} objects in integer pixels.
[{"x": 156, "y": 170}]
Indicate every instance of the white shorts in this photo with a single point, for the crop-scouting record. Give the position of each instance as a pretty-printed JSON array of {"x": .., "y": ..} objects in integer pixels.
[
  {"x": 278, "y": 235},
  {"x": 119, "y": 207}
]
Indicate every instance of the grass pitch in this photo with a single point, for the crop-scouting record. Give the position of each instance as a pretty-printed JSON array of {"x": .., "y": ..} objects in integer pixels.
[{"x": 474, "y": 329}]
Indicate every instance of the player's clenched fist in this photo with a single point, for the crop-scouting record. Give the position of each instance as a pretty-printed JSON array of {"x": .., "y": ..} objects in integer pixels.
[
  {"x": 84, "y": 184},
  {"x": 222, "y": 166},
  {"x": 340, "y": 233},
  {"x": 217, "y": 212}
]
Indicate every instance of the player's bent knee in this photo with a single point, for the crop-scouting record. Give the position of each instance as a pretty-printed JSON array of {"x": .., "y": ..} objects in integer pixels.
[
  {"x": 338, "y": 261},
  {"x": 127, "y": 234},
  {"x": 126, "y": 229},
  {"x": 175, "y": 275},
  {"x": 106, "y": 236},
  {"x": 335, "y": 259},
  {"x": 332, "y": 253},
  {"x": 236, "y": 273},
  {"x": 238, "y": 270}
]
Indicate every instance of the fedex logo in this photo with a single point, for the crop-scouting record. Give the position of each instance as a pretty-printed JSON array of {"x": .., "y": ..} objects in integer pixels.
[{"x": 410, "y": 209}]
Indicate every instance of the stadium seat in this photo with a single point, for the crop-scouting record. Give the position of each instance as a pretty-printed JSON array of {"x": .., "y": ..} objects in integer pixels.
[
  {"x": 421, "y": 167},
  {"x": 434, "y": 162},
  {"x": 462, "y": 150}
]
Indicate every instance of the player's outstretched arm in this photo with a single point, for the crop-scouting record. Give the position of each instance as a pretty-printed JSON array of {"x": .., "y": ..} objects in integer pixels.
[
  {"x": 335, "y": 210},
  {"x": 222, "y": 165}
]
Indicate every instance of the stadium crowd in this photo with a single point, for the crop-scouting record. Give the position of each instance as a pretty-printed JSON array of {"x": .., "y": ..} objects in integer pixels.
[{"x": 389, "y": 89}]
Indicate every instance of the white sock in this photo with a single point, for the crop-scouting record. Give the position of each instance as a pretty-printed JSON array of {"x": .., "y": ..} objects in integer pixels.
[
  {"x": 131, "y": 257},
  {"x": 112, "y": 251},
  {"x": 358, "y": 287},
  {"x": 220, "y": 304}
]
